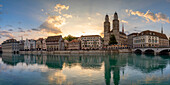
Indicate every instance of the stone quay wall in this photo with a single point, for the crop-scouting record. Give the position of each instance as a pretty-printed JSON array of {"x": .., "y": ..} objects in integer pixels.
[{"x": 78, "y": 52}]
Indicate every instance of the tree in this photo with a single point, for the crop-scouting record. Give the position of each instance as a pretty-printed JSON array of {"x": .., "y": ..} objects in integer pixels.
[
  {"x": 112, "y": 40},
  {"x": 69, "y": 38}
]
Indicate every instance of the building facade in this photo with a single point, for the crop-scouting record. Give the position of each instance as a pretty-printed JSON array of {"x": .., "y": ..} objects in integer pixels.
[
  {"x": 74, "y": 45},
  {"x": 55, "y": 43},
  {"x": 29, "y": 45},
  {"x": 130, "y": 39},
  {"x": 10, "y": 46},
  {"x": 41, "y": 44},
  {"x": 91, "y": 42},
  {"x": 150, "y": 39},
  {"x": 121, "y": 37},
  {"x": 21, "y": 45}
]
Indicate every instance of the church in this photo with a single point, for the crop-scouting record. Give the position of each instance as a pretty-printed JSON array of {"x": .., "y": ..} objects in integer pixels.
[{"x": 121, "y": 37}]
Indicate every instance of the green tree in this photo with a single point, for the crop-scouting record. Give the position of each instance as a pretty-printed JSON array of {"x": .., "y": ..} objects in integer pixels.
[
  {"x": 69, "y": 38},
  {"x": 112, "y": 40}
]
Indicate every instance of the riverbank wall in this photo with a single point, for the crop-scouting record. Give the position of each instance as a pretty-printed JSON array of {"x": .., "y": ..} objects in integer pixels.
[{"x": 78, "y": 52}]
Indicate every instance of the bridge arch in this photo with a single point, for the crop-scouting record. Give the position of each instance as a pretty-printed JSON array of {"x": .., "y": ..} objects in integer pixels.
[
  {"x": 138, "y": 51},
  {"x": 149, "y": 51},
  {"x": 164, "y": 52}
]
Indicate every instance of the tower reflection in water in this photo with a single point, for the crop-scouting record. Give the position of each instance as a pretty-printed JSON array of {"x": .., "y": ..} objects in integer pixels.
[{"x": 114, "y": 64}]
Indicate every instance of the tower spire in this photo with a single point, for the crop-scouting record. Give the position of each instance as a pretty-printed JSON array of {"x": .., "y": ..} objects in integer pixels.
[
  {"x": 115, "y": 16},
  {"x": 107, "y": 18},
  {"x": 162, "y": 29},
  {"x": 123, "y": 27}
]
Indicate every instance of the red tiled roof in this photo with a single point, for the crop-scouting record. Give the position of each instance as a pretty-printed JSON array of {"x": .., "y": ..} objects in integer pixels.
[{"x": 75, "y": 40}]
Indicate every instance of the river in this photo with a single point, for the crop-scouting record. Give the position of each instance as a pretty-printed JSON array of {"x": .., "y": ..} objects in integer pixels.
[{"x": 109, "y": 69}]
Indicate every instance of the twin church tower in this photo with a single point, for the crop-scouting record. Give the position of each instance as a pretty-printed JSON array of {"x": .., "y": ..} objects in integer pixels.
[{"x": 120, "y": 36}]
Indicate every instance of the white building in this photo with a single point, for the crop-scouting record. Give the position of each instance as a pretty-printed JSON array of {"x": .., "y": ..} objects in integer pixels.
[
  {"x": 29, "y": 44},
  {"x": 55, "y": 43},
  {"x": 150, "y": 39},
  {"x": 91, "y": 42},
  {"x": 41, "y": 44},
  {"x": 10, "y": 46}
]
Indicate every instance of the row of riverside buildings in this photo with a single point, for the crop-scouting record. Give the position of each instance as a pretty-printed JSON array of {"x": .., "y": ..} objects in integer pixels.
[
  {"x": 91, "y": 42},
  {"x": 53, "y": 43}
]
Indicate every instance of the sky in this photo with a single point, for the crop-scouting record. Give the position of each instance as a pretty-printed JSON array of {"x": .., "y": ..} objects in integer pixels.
[{"x": 33, "y": 19}]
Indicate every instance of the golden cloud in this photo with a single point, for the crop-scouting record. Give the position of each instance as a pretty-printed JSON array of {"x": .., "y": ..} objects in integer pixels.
[
  {"x": 59, "y": 8},
  {"x": 150, "y": 16},
  {"x": 52, "y": 24},
  {"x": 123, "y": 21},
  {"x": 67, "y": 15}
]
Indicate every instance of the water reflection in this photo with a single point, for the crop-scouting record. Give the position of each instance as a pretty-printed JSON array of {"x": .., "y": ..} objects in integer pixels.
[{"x": 117, "y": 69}]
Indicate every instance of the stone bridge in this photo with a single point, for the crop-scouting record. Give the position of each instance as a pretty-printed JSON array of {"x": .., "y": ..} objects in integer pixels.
[{"x": 155, "y": 51}]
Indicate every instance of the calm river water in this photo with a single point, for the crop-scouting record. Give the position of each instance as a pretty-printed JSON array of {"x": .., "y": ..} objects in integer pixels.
[{"x": 115, "y": 69}]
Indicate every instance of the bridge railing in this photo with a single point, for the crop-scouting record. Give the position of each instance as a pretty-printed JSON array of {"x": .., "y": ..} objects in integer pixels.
[{"x": 152, "y": 47}]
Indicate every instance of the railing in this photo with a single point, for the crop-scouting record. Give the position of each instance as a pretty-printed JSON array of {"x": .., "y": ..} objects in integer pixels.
[{"x": 151, "y": 47}]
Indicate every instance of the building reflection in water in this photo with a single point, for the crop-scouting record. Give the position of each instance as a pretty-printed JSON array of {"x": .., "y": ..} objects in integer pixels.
[{"x": 114, "y": 64}]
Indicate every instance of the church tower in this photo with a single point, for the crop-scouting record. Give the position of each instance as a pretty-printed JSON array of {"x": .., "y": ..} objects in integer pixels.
[
  {"x": 162, "y": 30},
  {"x": 106, "y": 31},
  {"x": 123, "y": 31},
  {"x": 115, "y": 30}
]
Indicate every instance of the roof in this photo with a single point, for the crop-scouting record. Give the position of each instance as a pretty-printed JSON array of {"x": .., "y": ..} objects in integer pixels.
[
  {"x": 75, "y": 40},
  {"x": 53, "y": 38},
  {"x": 10, "y": 41},
  {"x": 122, "y": 33},
  {"x": 153, "y": 33},
  {"x": 90, "y": 36},
  {"x": 40, "y": 39},
  {"x": 133, "y": 34}
]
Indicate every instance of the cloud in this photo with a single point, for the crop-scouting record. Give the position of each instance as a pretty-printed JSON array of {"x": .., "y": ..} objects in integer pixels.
[
  {"x": 98, "y": 14},
  {"x": 89, "y": 18},
  {"x": 123, "y": 21},
  {"x": 20, "y": 30},
  {"x": 52, "y": 24},
  {"x": 67, "y": 15},
  {"x": 1, "y": 5},
  {"x": 35, "y": 29},
  {"x": 59, "y": 8},
  {"x": 150, "y": 16},
  {"x": 6, "y": 34},
  {"x": 29, "y": 31},
  {"x": 10, "y": 30}
]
